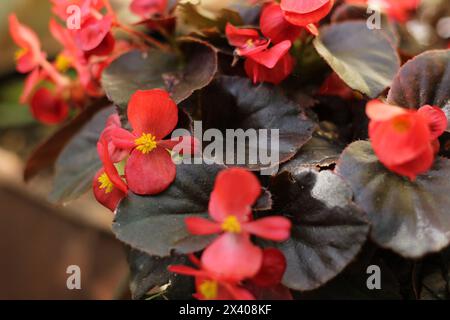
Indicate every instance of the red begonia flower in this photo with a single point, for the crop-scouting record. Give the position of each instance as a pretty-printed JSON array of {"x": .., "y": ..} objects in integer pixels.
[
  {"x": 403, "y": 139},
  {"x": 247, "y": 41},
  {"x": 152, "y": 115},
  {"x": 398, "y": 10},
  {"x": 260, "y": 73},
  {"x": 334, "y": 86},
  {"x": 47, "y": 107},
  {"x": 210, "y": 286},
  {"x": 232, "y": 255},
  {"x": 305, "y": 12},
  {"x": 148, "y": 8},
  {"x": 272, "y": 268},
  {"x": 109, "y": 188},
  {"x": 112, "y": 123},
  {"x": 275, "y": 27},
  {"x": 93, "y": 32},
  {"x": 30, "y": 55}
]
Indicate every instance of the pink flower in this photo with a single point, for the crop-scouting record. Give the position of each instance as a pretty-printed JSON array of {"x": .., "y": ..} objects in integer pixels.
[
  {"x": 29, "y": 56},
  {"x": 209, "y": 285}
]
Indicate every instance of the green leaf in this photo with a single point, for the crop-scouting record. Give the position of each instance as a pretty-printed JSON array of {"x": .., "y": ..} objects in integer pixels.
[
  {"x": 411, "y": 218},
  {"x": 78, "y": 162},
  {"x": 328, "y": 228},
  {"x": 137, "y": 70},
  {"x": 363, "y": 58}
]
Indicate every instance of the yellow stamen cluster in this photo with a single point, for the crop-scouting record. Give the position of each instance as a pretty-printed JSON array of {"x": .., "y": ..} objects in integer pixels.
[
  {"x": 105, "y": 183},
  {"x": 20, "y": 53},
  {"x": 145, "y": 143},
  {"x": 401, "y": 125},
  {"x": 209, "y": 289},
  {"x": 231, "y": 224},
  {"x": 250, "y": 43},
  {"x": 62, "y": 63}
]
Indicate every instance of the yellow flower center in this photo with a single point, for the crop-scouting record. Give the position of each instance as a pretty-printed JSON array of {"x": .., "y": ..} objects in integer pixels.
[
  {"x": 231, "y": 224},
  {"x": 209, "y": 289},
  {"x": 250, "y": 43},
  {"x": 145, "y": 143},
  {"x": 105, "y": 183},
  {"x": 62, "y": 63},
  {"x": 20, "y": 53},
  {"x": 401, "y": 124}
]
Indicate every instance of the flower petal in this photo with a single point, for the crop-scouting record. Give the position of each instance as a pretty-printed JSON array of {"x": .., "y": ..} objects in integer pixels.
[
  {"x": 93, "y": 32},
  {"x": 110, "y": 169},
  {"x": 271, "y": 228},
  {"x": 24, "y": 37},
  {"x": 305, "y": 12},
  {"x": 151, "y": 173},
  {"x": 436, "y": 120},
  {"x": 379, "y": 111},
  {"x": 421, "y": 164},
  {"x": 47, "y": 108},
  {"x": 111, "y": 199},
  {"x": 121, "y": 138},
  {"x": 303, "y": 6},
  {"x": 233, "y": 257},
  {"x": 152, "y": 111},
  {"x": 275, "y": 27},
  {"x": 148, "y": 8},
  {"x": 181, "y": 145},
  {"x": 259, "y": 73},
  {"x": 272, "y": 269},
  {"x": 400, "y": 139},
  {"x": 202, "y": 226},
  {"x": 238, "y": 37},
  {"x": 188, "y": 271},
  {"x": 269, "y": 58},
  {"x": 30, "y": 84},
  {"x": 225, "y": 200}
]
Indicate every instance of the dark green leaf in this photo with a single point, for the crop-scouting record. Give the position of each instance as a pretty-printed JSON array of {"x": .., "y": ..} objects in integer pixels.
[
  {"x": 148, "y": 272},
  {"x": 351, "y": 284},
  {"x": 78, "y": 162},
  {"x": 328, "y": 229},
  {"x": 411, "y": 218},
  {"x": 155, "y": 224},
  {"x": 363, "y": 58},
  {"x": 156, "y": 69},
  {"x": 317, "y": 154},
  {"x": 235, "y": 103}
]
